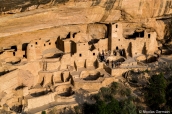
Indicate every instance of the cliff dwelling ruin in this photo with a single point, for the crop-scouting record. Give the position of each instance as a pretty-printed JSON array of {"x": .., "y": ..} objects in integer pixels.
[{"x": 74, "y": 46}]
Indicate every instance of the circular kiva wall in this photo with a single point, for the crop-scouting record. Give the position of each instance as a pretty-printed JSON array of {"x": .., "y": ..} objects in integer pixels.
[
  {"x": 64, "y": 90},
  {"x": 120, "y": 60},
  {"x": 148, "y": 59},
  {"x": 116, "y": 58},
  {"x": 166, "y": 52},
  {"x": 151, "y": 59},
  {"x": 90, "y": 75},
  {"x": 141, "y": 58},
  {"x": 13, "y": 60}
]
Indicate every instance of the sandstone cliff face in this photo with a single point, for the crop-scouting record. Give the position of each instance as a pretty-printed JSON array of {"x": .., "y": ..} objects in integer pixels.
[
  {"x": 135, "y": 8},
  {"x": 13, "y": 6},
  {"x": 28, "y": 16},
  {"x": 147, "y": 8}
]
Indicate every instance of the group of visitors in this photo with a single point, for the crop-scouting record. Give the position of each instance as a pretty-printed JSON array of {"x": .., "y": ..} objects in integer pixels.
[
  {"x": 113, "y": 64},
  {"x": 103, "y": 58}
]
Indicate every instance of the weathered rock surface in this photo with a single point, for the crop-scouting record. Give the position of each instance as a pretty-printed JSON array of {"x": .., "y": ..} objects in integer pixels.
[
  {"x": 135, "y": 8},
  {"x": 29, "y": 16}
]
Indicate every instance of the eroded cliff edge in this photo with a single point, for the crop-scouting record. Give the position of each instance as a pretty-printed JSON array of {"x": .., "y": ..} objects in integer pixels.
[
  {"x": 52, "y": 49},
  {"x": 24, "y": 18},
  {"x": 136, "y": 8}
]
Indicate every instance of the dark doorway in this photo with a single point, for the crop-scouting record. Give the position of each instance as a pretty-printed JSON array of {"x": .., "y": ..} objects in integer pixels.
[
  {"x": 74, "y": 34},
  {"x": 68, "y": 35},
  {"x": 116, "y": 47},
  {"x": 129, "y": 49},
  {"x": 14, "y": 47},
  {"x": 24, "y": 46},
  {"x": 142, "y": 34},
  {"x": 14, "y": 54}
]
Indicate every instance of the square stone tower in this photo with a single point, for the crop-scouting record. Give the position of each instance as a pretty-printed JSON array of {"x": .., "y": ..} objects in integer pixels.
[{"x": 115, "y": 36}]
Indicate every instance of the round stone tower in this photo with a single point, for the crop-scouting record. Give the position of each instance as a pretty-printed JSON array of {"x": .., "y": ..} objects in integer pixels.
[{"x": 31, "y": 53}]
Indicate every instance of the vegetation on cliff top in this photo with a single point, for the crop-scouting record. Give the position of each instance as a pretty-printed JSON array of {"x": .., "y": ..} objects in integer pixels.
[
  {"x": 159, "y": 93},
  {"x": 158, "y": 96},
  {"x": 107, "y": 103}
]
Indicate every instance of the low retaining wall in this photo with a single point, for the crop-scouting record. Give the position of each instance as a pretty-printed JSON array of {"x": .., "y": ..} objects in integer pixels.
[
  {"x": 61, "y": 99},
  {"x": 95, "y": 85},
  {"x": 40, "y": 101}
]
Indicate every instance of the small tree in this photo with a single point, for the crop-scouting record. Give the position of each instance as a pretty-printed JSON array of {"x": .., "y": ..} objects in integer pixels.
[
  {"x": 169, "y": 96},
  {"x": 155, "y": 95},
  {"x": 127, "y": 107},
  {"x": 113, "y": 107},
  {"x": 101, "y": 107},
  {"x": 43, "y": 112}
]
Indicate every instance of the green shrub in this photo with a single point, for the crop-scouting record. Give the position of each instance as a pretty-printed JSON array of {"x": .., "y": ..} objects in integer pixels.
[
  {"x": 127, "y": 107},
  {"x": 43, "y": 112},
  {"x": 127, "y": 92},
  {"x": 155, "y": 95}
]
